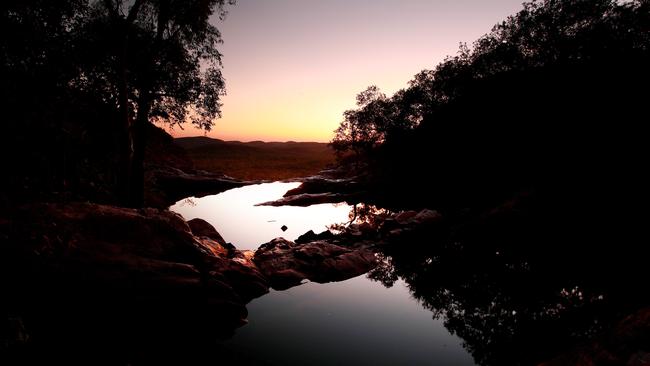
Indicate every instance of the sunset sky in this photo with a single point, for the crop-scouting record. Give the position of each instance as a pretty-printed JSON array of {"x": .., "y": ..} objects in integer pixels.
[{"x": 293, "y": 66}]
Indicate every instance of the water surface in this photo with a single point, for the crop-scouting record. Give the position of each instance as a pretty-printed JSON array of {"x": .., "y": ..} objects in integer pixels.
[
  {"x": 354, "y": 322},
  {"x": 234, "y": 214}
]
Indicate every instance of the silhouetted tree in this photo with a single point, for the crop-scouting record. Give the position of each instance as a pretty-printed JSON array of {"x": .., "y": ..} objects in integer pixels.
[
  {"x": 37, "y": 61},
  {"x": 550, "y": 88},
  {"x": 144, "y": 60},
  {"x": 159, "y": 61}
]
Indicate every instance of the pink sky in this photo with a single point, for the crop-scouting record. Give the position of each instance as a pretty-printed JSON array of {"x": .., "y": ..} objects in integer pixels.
[{"x": 292, "y": 67}]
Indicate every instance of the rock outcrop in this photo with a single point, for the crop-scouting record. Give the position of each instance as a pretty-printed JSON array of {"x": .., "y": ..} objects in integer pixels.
[
  {"x": 87, "y": 276},
  {"x": 321, "y": 189},
  {"x": 287, "y": 264},
  {"x": 167, "y": 185},
  {"x": 81, "y": 275}
]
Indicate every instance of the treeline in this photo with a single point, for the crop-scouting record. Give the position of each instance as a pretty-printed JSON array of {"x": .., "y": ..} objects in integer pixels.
[
  {"x": 83, "y": 79},
  {"x": 555, "y": 96}
]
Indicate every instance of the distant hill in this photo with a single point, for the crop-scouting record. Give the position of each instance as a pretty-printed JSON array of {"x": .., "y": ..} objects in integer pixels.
[{"x": 257, "y": 159}]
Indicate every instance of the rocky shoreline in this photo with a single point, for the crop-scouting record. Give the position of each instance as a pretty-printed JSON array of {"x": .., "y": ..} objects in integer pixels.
[
  {"x": 77, "y": 276},
  {"x": 150, "y": 265}
]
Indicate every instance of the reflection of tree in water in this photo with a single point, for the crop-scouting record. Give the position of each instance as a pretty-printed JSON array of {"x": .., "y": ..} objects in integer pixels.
[
  {"x": 362, "y": 213},
  {"x": 510, "y": 294},
  {"x": 189, "y": 202}
]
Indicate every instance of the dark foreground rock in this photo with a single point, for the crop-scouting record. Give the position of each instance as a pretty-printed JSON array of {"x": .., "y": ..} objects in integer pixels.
[
  {"x": 83, "y": 280},
  {"x": 287, "y": 264},
  {"x": 627, "y": 344},
  {"x": 80, "y": 280}
]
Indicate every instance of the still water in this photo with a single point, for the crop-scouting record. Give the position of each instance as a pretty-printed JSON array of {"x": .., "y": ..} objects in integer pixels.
[
  {"x": 234, "y": 214},
  {"x": 354, "y": 322}
]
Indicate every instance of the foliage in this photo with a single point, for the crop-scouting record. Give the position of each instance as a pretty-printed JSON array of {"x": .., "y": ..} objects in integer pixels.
[
  {"x": 168, "y": 50},
  {"x": 543, "y": 34},
  {"x": 552, "y": 86},
  {"x": 83, "y": 79}
]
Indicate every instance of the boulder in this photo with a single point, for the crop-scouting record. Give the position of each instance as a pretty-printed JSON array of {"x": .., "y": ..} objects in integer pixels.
[
  {"x": 287, "y": 264},
  {"x": 311, "y": 236},
  {"x": 130, "y": 264},
  {"x": 201, "y": 227}
]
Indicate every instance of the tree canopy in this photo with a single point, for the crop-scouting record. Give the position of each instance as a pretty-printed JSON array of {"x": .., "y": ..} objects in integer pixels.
[
  {"x": 125, "y": 63},
  {"x": 556, "y": 84}
]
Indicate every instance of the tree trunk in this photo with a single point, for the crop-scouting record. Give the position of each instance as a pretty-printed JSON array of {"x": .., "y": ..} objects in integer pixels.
[
  {"x": 140, "y": 146},
  {"x": 124, "y": 180}
]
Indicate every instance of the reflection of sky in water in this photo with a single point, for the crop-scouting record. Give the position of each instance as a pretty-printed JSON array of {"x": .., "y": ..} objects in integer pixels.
[
  {"x": 355, "y": 322},
  {"x": 234, "y": 214}
]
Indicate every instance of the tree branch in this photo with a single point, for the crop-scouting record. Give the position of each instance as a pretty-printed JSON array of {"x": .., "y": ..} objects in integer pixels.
[{"x": 133, "y": 12}]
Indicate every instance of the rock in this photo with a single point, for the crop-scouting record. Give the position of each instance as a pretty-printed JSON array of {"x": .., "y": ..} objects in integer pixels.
[
  {"x": 201, "y": 227},
  {"x": 214, "y": 247},
  {"x": 427, "y": 217},
  {"x": 413, "y": 218},
  {"x": 307, "y": 237},
  {"x": 404, "y": 216},
  {"x": 90, "y": 263},
  {"x": 626, "y": 344},
  {"x": 323, "y": 184},
  {"x": 287, "y": 264},
  {"x": 167, "y": 185},
  {"x": 15, "y": 333},
  {"x": 284, "y": 228},
  {"x": 308, "y": 199},
  {"x": 311, "y": 236}
]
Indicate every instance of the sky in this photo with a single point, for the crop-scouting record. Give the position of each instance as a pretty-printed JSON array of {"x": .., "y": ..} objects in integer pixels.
[{"x": 292, "y": 67}]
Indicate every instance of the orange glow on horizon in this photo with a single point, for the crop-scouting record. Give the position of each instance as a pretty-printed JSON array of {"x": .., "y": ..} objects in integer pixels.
[{"x": 292, "y": 67}]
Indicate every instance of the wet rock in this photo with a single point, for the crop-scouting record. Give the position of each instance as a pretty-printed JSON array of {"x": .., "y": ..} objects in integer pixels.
[
  {"x": 287, "y": 264},
  {"x": 284, "y": 228}
]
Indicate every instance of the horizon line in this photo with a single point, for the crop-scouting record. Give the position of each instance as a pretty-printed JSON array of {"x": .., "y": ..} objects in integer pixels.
[{"x": 253, "y": 140}]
